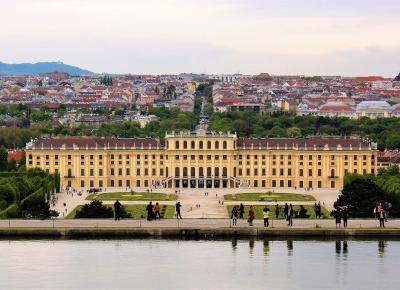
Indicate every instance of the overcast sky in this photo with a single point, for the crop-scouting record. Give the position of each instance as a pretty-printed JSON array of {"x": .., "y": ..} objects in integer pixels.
[{"x": 331, "y": 37}]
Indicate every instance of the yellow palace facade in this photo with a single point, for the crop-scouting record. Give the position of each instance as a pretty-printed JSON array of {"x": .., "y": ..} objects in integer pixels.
[{"x": 202, "y": 160}]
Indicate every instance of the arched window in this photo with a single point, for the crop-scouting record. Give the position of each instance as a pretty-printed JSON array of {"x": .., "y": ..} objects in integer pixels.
[
  {"x": 69, "y": 172},
  {"x": 201, "y": 172},
  {"x": 192, "y": 171},
  {"x": 234, "y": 171},
  {"x": 192, "y": 145},
  {"x": 225, "y": 145},
  {"x": 176, "y": 144},
  {"x": 332, "y": 172},
  {"x": 184, "y": 145},
  {"x": 224, "y": 171},
  {"x": 201, "y": 145},
  {"x": 176, "y": 171},
  {"x": 166, "y": 171},
  {"x": 185, "y": 172},
  {"x": 208, "y": 144},
  {"x": 216, "y": 144},
  {"x": 216, "y": 171},
  {"x": 208, "y": 171}
]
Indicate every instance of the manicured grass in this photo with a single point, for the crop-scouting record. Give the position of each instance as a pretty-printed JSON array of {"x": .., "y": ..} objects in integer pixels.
[
  {"x": 269, "y": 196},
  {"x": 132, "y": 196},
  {"x": 138, "y": 211},
  {"x": 258, "y": 209}
]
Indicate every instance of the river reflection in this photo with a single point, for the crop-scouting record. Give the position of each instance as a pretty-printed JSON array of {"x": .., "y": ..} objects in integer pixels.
[{"x": 203, "y": 264}]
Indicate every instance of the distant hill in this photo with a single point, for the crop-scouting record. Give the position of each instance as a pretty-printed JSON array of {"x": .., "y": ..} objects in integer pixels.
[{"x": 41, "y": 67}]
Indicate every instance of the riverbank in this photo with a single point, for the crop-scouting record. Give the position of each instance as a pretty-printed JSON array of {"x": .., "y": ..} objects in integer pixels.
[
  {"x": 75, "y": 233},
  {"x": 191, "y": 228}
]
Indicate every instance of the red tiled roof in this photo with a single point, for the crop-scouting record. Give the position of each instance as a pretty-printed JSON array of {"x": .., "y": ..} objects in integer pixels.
[
  {"x": 14, "y": 155},
  {"x": 336, "y": 108}
]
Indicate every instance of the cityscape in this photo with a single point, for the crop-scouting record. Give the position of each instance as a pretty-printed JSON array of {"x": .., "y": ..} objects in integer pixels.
[{"x": 199, "y": 145}]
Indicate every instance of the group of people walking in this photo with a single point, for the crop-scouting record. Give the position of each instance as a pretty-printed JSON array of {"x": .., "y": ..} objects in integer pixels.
[{"x": 238, "y": 213}]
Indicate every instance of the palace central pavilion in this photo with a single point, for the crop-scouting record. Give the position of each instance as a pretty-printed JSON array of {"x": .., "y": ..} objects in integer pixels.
[{"x": 202, "y": 160}]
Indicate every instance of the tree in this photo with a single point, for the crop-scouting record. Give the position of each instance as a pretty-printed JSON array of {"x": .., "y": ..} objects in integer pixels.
[
  {"x": 294, "y": 132},
  {"x": 361, "y": 192},
  {"x": 3, "y": 159}
]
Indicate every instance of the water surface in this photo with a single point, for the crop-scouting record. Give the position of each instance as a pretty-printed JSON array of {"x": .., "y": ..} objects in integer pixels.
[{"x": 221, "y": 264}]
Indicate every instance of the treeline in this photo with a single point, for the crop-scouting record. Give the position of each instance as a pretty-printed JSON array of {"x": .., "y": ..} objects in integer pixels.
[
  {"x": 361, "y": 192},
  {"x": 170, "y": 120},
  {"x": 385, "y": 131}
]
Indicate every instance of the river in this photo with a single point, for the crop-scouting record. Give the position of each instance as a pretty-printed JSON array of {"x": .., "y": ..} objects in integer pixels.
[{"x": 204, "y": 264}]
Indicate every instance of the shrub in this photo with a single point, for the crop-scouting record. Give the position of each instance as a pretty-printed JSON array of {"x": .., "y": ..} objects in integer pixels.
[{"x": 94, "y": 209}]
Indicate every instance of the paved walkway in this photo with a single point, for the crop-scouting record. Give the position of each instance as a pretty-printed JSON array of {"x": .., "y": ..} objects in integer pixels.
[
  {"x": 210, "y": 206},
  {"x": 189, "y": 223}
]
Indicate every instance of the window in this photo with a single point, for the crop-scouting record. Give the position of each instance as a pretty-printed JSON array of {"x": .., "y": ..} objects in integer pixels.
[
  {"x": 319, "y": 184},
  {"x": 224, "y": 145},
  {"x": 82, "y": 172},
  {"x": 128, "y": 171},
  {"x": 319, "y": 172},
  {"x": 119, "y": 171},
  {"x": 176, "y": 144},
  {"x": 138, "y": 172},
  {"x": 82, "y": 183},
  {"x": 216, "y": 171},
  {"x": 289, "y": 172},
  {"x": 91, "y": 172},
  {"x": 201, "y": 145},
  {"x": 310, "y": 184},
  {"x": 281, "y": 173},
  {"x": 273, "y": 171},
  {"x": 263, "y": 172},
  {"x": 192, "y": 145},
  {"x": 224, "y": 171},
  {"x": 192, "y": 171},
  {"x": 281, "y": 183},
  {"x": 177, "y": 171},
  {"x": 184, "y": 144},
  {"x": 208, "y": 144},
  {"x": 301, "y": 172},
  {"x": 273, "y": 183},
  {"x": 216, "y": 145},
  {"x": 309, "y": 172},
  {"x": 208, "y": 171},
  {"x": 332, "y": 173},
  {"x": 100, "y": 172}
]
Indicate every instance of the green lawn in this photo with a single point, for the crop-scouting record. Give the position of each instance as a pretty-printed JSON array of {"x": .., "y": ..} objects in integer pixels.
[
  {"x": 135, "y": 196},
  {"x": 259, "y": 208},
  {"x": 138, "y": 211},
  {"x": 269, "y": 196}
]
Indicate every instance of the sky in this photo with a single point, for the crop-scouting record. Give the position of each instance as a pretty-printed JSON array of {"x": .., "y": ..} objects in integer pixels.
[{"x": 307, "y": 37}]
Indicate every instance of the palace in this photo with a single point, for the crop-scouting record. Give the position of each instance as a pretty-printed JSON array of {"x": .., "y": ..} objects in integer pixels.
[{"x": 203, "y": 160}]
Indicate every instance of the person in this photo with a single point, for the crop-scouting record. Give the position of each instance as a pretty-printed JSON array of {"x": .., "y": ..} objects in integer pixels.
[
  {"x": 234, "y": 215},
  {"x": 338, "y": 218},
  {"x": 266, "y": 216},
  {"x": 290, "y": 215},
  {"x": 277, "y": 210},
  {"x": 285, "y": 211},
  {"x": 117, "y": 210},
  {"x": 386, "y": 210},
  {"x": 241, "y": 210},
  {"x": 381, "y": 216},
  {"x": 302, "y": 212},
  {"x": 149, "y": 209},
  {"x": 315, "y": 210},
  {"x": 178, "y": 210},
  {"x": 252, "y": 216},
  {"x": 157, "y": 210},
  {"x": 345, "y": 214}
]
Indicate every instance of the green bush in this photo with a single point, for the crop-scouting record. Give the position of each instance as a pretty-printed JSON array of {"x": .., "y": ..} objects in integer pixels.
[{"x": 94, "y": 209}]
